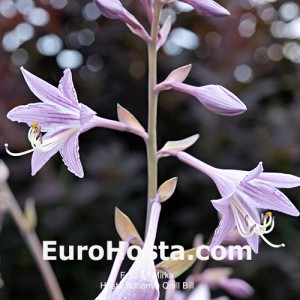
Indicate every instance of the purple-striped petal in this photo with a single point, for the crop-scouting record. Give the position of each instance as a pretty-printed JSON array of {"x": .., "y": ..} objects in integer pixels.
[
  {"x": 39, "y": 159},
  {"x": 221, "y": 205},
  {"x": 254, "y": 173},
  {"x": 67, "y": 88},
  {"x": 208, "y": 7},
  {"x": 70, "y": 155},
  {"x": 47, "y": 92},
  {"x": 226, "y": 224},
  {"x": 86, "y": 114},
  {"x": 49, "y": 117},
  {"x": 266, "y": 197},
  {"x": 280, "y": 180}
]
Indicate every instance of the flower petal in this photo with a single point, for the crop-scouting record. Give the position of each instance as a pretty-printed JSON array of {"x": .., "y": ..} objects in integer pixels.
[
  {"x": 280, "y": 180},
  {"x": 254, "y": 173},
  {"x": 47, "y": 92},
  {"x": 86, "y": 114},
  {"x": 266, "y": 197},
  {"x": 39, "y": 159},
  {"x": 226, "y": 224},
  {"x": 208, "y": 7},
  {"x": 48, "y": 116},
  {"x": 67, "y": 88},
  {"x": 70, "y": 155},
  {"x": 221, "y": 205},
  {"x": 253, "y": 241},
  {"x": 236, "y": 287},
  {"x": 140, "y": 282}
]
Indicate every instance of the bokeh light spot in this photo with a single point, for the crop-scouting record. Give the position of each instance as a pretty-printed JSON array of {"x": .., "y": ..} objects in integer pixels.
[
  {"x": 137, "y": 69},
  {"x": 38, "y": 16},
  {"x": 58, "y": 4},
  {"x": 243, "y": 73},
  {"x": 49, "y": 45},
  {"x": 261, "y": 55},
  {"x": 247, "y": 25},
  {"x": 69, "y": 59},
  {"x": 183, "y": 7},
  {"x": 291, "y": 51},
  {"x": 94, "y": 63},
  {"x": 90, "y": 12},
  {"x": 19, "y": 57},
  {"x": 213, "y": 39},
  {"x": 275, "y": 52},
  {"x": 7, "y": 9},
  {"x": 288, "y": 11}
]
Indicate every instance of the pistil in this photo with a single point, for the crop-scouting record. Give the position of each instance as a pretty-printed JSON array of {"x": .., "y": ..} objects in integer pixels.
[
  {"x": 247, "y": 226},
  {"x": 38, "y": 144}
]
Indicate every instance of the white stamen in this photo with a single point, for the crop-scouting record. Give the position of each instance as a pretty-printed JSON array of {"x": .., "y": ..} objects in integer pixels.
[
  {"x": 43, "y": 145},
  {"x": 268, "y": 223}
]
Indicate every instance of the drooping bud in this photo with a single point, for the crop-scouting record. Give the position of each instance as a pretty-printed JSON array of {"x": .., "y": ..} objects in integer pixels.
[
  {"x": 214, "y": 97},
  {"x": 208, "y": 7}
]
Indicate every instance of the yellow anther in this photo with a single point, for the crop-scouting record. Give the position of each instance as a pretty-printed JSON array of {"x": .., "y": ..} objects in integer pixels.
[
  {"x": 37, "y": 131},
  {"x": 35, "y": 126},
  {"x": 268, "y": 214}
]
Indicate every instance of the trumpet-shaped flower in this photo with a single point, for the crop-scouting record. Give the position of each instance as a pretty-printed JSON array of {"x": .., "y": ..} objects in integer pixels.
[
  {"x": 113, "y": 9},
  {"x": 244, "y": 195},
  {"x": 62, "y": 117},
  {"x": 140, "y": 283}
]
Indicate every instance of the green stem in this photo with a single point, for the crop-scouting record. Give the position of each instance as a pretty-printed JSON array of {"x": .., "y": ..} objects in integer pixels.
[
  {"x": 34, "y": 245},
  {"x": 152, "y": 109}
]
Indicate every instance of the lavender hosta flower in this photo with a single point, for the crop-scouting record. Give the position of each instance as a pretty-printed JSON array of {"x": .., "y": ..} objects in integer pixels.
[
  {"x": 62, "y": 117},
  {"x": 214, "y": 97},
  {"x": 113, "y": 9},
  {"x": 141, "y": 283},
  {"x": 208, "y": 7},
  {"x": 244, "y": 195},
  {"x": 219, "y": 278}
]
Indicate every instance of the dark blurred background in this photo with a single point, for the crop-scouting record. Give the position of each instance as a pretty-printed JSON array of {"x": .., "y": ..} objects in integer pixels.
[{"x": 255, "y": 53}]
